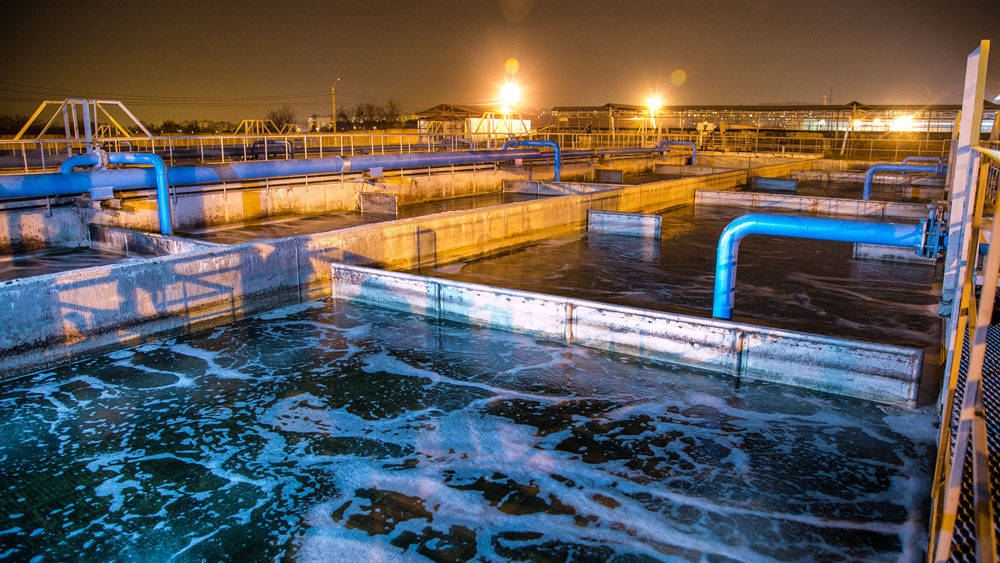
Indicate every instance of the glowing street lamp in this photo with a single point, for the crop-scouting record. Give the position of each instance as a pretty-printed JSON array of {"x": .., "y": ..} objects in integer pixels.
[
  {"x": 654, "y": 103},
  {"x": 510, "y": 94}
]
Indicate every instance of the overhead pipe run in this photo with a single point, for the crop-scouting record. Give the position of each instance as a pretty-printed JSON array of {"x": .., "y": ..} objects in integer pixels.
[
  {"x": 68, "y": 182},
  {"x": 939, "y": 169},
  {"x": 694, "y": 148},
  {"x": 43, "y": 185},
  {"x": 926, "y": 238}
]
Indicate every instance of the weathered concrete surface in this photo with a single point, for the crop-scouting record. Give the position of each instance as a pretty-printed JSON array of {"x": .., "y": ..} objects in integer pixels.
[
  {"x": 813, "y": 204},
  {"x": 877, "y": 372},
  {"x": 890, "y": 254},
  {"x": 685, "y": 170},
  {"x": 61, "y": 315},
  {"x": 775, "y": 184},
  {"x": 554, "y": 188},
  {"x": 608, "y": 176},
  {"x": 629, "y": 224},
  {"x": 31, "y": 226},
  {"x": 379, "y": 203},
  {"x": 136, "y": 243},
  {"x": 751, "y": 161}
]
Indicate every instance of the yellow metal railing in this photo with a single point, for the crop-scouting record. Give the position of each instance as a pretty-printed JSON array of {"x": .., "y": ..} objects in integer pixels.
[{"x": 970, "y": 437}]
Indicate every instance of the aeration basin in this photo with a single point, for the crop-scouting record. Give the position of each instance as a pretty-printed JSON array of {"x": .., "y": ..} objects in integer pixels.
[
  {"x": 311, "y": 379},
  {"x": 325, "y": 430}
]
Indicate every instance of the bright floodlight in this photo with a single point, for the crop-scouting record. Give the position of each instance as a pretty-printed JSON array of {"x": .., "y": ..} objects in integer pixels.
[
  {"x": 902, "y": 123},
  {"x": 654, "y": 103},
  {"x": 510, "y": 93}
]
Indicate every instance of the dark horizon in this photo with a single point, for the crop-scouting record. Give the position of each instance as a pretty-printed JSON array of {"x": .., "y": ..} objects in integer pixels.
[{"x": 193, "y": 60}]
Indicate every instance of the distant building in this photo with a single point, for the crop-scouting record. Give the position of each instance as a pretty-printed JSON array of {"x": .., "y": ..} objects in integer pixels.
[
  {"x": 319, "y": 122},
  {"x": 820, "y": 118},
  {"x": 459, "y": 119}
]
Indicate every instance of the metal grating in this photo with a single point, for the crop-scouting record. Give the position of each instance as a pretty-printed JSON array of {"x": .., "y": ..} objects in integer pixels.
[{"x": 964, "y": 540}]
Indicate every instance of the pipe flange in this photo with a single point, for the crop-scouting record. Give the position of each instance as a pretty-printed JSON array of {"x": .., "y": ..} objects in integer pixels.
[{"x": 102, "y": 156}]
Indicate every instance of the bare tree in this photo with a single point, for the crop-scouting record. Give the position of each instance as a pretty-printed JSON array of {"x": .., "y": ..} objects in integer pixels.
[{"x": 281, "y": 116}]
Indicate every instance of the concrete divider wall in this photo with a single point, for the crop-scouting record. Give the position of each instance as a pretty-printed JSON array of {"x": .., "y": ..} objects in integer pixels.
[
  {"x": 812, "y": 204},
  {"x": 136, "y": 243},
  {"x": 877, "y": 372},
  {"x": 33, "y": 228},
  {"x": 58, "y": 316},
  {"x": 65, "y": 314},
  {"x": 463, "y": 235}
]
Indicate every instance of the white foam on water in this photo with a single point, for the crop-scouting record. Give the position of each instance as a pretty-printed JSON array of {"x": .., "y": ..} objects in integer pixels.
[
  {"x": 209, "y": 358},
  {"x": 115, "y": 487}
]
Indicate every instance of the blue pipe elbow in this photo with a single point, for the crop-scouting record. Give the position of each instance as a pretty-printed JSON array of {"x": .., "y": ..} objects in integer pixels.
[
  {"x": 889, "y": 234},
  {"x": 694, "y": 148},
  {"x": 162, "y": 187},
  {"x": 80, "y": 161},
  {"x": 934, "y": 159},
  {"x": 937, "y": 169},
  {"x": 553, "y": 144}
]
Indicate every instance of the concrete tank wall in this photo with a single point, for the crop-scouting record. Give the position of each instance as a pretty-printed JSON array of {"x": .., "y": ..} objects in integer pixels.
[{"x": 65, "y": 314}]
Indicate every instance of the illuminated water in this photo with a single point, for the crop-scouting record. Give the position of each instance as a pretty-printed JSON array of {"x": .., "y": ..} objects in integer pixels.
[
  {"x": 854, "y": 190},
  {"x": 798, "y": 284},
  {"x": 53, "y": 260},
  {"x": 330, "y": 432},
  {"x": 333, "y": 220}
]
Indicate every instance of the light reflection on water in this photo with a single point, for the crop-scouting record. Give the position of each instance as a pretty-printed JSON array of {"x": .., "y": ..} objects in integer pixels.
[
  {"x": 52, "y": 260},
  {"x": 328, "y": 431}
]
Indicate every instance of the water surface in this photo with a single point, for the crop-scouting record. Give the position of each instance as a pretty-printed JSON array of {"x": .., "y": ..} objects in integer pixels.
[{"x": 327, "y": 431}]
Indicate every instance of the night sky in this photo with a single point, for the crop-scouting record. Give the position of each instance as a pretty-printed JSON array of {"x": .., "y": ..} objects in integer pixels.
[{"x": 222, "y": 60}]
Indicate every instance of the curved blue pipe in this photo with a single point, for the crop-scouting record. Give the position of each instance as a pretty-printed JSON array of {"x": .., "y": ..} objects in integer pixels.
[
  {"x": 870, "y": 175},
  {"x": 890, "y": 234},
  {"x": 694, "y": 148},
  {"x": 80, "y": 161},
  {"x": 162, "y": 187},
  {"x": 423, "y": 160},
  {"x": 99, "y": 159},
  {"x": 934, "y": 159},
  {"x": 514, "y": 143}
]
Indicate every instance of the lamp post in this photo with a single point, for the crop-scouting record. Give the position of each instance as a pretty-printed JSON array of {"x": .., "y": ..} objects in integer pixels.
[{"x": 333, "y": 103}]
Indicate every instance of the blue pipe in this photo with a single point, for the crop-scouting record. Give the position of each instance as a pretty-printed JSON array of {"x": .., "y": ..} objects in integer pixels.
[
  {"x": 514, "y": 143},
  {"x": 934, "y": 159},
  {"x": 870, "y": 175},
  {"x": 694, "y": 148},
  {"x": 423, "y": 160},
  {"x": 162, "y": 187},
  {"x": 100, "y": 159},
  {"x": 42, "y": 185},
  {"x": 890, "y": 234},
  {"x": 71, "y": 183},
  {"x": 80, "y": 161}
]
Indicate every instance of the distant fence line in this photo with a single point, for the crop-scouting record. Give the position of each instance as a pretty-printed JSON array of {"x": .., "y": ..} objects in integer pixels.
[{"x": 46, "y": 154}]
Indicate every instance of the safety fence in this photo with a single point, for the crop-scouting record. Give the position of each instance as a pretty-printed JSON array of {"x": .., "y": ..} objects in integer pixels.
[{"x": 45, "y": 154}]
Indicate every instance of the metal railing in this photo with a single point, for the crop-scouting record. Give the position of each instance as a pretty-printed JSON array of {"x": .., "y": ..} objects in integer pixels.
[
  {"x": 970, "y": 436},
  {"x": 44, "y": 155}
]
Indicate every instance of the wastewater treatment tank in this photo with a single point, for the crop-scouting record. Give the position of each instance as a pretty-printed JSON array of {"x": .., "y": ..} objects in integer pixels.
[{"x": 328, "y": 431}]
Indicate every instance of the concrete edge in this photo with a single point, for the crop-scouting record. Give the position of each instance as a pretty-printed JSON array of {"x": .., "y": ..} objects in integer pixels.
[{"x": 878, "y": 372}]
